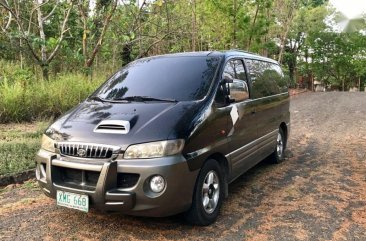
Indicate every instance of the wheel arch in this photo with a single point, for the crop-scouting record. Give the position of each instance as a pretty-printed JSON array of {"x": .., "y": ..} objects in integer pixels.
[
  {"x": 224, "y": 164},
  {"x": 283, "y": 127}
]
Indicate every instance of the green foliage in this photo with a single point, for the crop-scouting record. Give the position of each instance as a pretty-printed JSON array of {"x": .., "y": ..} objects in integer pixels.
[
  {"x": 338, "y": 58},
  {"x": 25, "y": 100},
  {"x": 17, "y": 157},
  {"x": 18, "y": 146},
  {"x": 286, "y": 30},
  {"x": 11, "y": 72},
  {"x": 308, "y": 22}
]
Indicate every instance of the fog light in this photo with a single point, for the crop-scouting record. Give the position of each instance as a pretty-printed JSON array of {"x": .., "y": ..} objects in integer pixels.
[{"x": 157, "y": 184}]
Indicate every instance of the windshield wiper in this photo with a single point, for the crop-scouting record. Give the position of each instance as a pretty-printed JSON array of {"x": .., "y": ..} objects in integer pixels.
[{"x": 142, "y": 99}]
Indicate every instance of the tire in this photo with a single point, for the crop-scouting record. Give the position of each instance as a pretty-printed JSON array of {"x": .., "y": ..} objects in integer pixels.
[
  {"x": 208, "y": 195},
  {"x": 279, "y": 152}
]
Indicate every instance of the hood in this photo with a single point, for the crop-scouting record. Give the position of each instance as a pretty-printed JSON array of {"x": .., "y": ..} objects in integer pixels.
[{"x": 148, "y": 121}]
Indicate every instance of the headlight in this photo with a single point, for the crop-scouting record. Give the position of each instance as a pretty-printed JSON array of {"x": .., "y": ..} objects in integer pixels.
[
  {"x": 47, "y": 143},
  {"x": 154, "y": 149}
]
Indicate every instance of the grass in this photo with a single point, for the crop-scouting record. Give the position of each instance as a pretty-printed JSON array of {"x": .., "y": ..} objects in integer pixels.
[
  {"x": 19, "y": 144},
  {"x": 37, "y": 100},
  {"x": 24, "y": 98}
]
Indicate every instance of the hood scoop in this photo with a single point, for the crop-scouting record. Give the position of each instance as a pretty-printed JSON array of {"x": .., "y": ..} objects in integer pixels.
[{"x": 113, "y": 127}]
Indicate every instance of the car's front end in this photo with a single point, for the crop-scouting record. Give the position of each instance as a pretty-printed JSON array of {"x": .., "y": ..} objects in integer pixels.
[{"x": 151, "y": 186}]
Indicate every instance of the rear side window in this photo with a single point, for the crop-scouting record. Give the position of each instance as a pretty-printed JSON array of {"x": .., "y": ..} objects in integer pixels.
[
  {"x": 267, "y": 78},
  {"x": 280, "y": 79}
]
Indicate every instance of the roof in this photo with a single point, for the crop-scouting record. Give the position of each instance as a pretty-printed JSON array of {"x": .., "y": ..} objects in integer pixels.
[
  {"x": 226, "y": 53},
  {"x": 246, "y": 54}
]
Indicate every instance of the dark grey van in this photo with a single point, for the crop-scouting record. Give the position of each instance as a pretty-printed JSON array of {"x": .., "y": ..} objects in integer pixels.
[{"x": 167, "y": 134}]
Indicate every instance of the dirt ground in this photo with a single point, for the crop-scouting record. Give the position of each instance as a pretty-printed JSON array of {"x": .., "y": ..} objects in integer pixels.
[{"x": 318, "y": 193}]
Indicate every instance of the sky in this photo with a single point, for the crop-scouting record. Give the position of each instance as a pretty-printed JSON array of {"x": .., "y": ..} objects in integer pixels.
[
  {"x": 352, "y": 17},
  {"x": 350, "y": 8}
]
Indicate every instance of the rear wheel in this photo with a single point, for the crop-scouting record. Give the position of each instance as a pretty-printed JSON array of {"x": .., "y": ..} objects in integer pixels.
[
  {"x": 278, "y": 154},
  {"x": 208, "y": 195}
]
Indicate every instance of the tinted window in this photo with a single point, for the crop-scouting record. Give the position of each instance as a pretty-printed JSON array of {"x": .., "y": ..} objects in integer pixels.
[
  {"x": 234, "y": 69},
  {"x": 179, "y": 78},
  {"x": 267, "y": 78},
  {"x": 280, "y": 78}
]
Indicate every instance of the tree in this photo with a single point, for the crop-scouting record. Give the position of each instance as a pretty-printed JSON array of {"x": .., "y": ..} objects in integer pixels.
[
  {"x": 308, "y": 23},
  {"x": 338, "y": 58},
  {"x": 286, "y": 11},
  {"x": 36, "y": 41},
  {"x": 95, "y": 25}
]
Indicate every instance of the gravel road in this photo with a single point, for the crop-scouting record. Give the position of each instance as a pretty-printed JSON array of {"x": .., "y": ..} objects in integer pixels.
[{"x": 318, "y": 193}]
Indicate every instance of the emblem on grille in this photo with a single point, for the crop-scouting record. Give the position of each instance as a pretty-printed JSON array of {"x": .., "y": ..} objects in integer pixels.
[{"x": 81, "y": 152}]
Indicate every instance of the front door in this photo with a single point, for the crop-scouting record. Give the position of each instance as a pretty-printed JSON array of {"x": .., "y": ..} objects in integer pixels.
[{"x": 242, "y": 123}]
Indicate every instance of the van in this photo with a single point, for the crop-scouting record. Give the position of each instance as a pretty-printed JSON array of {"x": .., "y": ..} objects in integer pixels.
[{"x": 167, "y": 134}]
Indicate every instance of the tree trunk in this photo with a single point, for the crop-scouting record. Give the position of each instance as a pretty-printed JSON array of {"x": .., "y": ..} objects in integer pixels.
[
  {"x": 85, "y": 42},
  {"x": 287, "y": 24},
  {"x": 359, "y": 83},
  {"x": 45, "y": 72},
  {"x": 252, "y": 28},
  {"x": 291, "y": 69},
  {"x": 44, "y": 62},
  {"x": 90, "y": 60},
  {"x": 21, "y": 53},
  {"x": 194, "y": 30},
  {"x": 235, "y": 23},
  {"x": 168, "y": 24}
]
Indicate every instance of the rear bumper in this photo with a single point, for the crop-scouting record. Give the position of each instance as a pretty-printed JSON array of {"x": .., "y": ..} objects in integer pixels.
[{"x": 101, "y": 181}]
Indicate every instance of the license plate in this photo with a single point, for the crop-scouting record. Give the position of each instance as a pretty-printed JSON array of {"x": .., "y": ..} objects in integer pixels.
[{"x": 73, "y": 200}]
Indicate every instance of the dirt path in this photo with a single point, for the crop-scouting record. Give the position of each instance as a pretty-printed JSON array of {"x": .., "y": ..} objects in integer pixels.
[{"x": 318, "y": 193}]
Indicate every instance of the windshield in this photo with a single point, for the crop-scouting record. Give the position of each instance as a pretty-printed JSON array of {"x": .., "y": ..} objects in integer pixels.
[{"x": 171, "y": 78}]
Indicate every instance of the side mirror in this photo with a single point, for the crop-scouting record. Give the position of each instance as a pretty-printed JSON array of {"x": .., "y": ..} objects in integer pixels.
[
  {"x": 238, "y": 91},
  {"x": 226, "y": 80}
]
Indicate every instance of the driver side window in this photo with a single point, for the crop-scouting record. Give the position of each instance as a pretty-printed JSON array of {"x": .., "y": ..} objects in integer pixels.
[{"x": 238, "y": 89}]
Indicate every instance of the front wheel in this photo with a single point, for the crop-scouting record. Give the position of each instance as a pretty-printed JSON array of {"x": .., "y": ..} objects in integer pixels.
[{"x": 208, "y": 195}]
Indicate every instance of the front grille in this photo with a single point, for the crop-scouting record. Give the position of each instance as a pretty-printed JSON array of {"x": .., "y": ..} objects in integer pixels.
[
  {"x": 75, "y": 178},
  {"x": 82, "y": 150},
  {"x": 126, "y": 180}
]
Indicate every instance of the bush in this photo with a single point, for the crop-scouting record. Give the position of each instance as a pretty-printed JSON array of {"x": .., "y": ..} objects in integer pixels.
[
  {"x": 19, "y": 144},
  {"x": 28, "y": 99},
  {"x": 17, "y": 157},
  {"x": 14, "y": 73}
]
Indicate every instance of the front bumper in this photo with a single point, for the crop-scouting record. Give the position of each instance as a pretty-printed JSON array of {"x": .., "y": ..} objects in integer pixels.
[{"x": 101, "y": 181}]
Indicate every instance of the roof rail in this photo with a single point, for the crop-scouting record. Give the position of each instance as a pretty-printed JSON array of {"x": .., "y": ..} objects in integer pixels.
[{"x": 258, "y": 55}]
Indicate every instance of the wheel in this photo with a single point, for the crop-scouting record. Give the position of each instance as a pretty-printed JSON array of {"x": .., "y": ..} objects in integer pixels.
[
  {"x": 208, "y": 195},
  {"x": 278, "y": 154}
]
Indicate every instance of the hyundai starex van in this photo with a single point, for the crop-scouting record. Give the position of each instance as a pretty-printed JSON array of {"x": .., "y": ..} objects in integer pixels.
[{"x": 167, "y": 134}]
